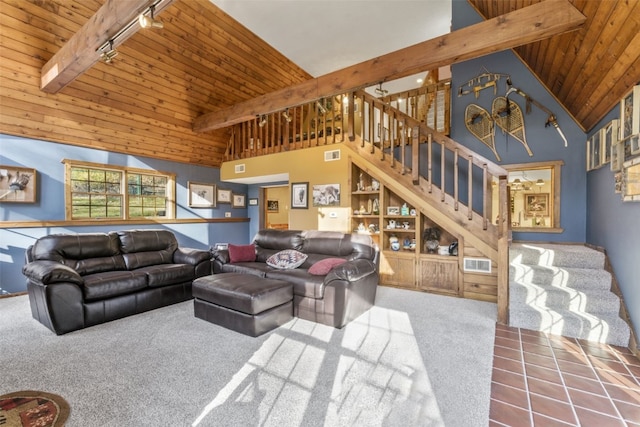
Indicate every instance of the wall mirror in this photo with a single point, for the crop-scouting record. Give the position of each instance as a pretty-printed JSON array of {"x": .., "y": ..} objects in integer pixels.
[{"x": 534, "y": 190}]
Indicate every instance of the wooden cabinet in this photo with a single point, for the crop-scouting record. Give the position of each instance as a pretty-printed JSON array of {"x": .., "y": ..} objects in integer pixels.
[
  {"x": 438, "y": 274},
  {"x": 398, "y": 269}
]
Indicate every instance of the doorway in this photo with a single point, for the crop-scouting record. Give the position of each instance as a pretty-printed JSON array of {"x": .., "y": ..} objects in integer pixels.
[{"x": 276, "y": 207}]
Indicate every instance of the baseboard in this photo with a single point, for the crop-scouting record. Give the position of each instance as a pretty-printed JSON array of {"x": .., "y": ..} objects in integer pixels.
[{"x": 16, "y": 294}]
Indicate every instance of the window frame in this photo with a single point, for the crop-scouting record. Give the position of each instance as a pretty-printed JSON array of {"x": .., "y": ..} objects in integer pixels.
[{"x": 124, "y": 191}]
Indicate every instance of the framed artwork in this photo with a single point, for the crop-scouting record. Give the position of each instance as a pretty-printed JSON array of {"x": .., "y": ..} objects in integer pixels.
[
  {"x": 326, "y": 195},
  {"x": 17, "y": 185},
  {"x": 201, "y": 195},
  {"x": 635, "y": 144},
  {"x": 617, "y": 156},
  {"x": 594, "y": 151},
  {"x": 631, "y": 180},
  {"x": 253, "y": 202},
  {"x": 223, "y": 196},
  {"x": 630, "y": 113},
  {"x": 536, "y": 204},
  {"x": 272, "y": 206},
  {"x": 609, "y": 138},
  {"x": 239, "y": 201},
  {"x": 300, "y": 195},
  {"x": 393, "y": 210}
]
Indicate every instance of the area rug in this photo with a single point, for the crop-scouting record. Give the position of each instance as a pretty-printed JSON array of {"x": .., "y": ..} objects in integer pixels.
[{"x": 33, "y": 409}]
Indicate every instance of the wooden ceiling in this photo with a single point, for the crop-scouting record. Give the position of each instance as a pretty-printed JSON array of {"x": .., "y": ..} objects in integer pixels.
[
  {"x": 146, "y": 101},
  {"x": 588, "y": 70}
]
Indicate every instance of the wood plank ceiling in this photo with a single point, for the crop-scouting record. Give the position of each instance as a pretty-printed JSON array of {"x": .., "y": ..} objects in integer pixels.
[
  {"x": 146, "y": 101},
  {"x": 588, "y": 70}
]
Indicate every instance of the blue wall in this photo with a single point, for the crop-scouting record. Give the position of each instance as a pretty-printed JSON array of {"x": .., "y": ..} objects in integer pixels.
[
  {"x": 613, "y": 225},
  {"x": 45, "y": 157},
  {"x": 545, "y": 142}
]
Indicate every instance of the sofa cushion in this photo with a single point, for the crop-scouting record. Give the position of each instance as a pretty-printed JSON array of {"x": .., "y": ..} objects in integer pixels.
[
  {"x": 279, "y": 239},
  {"x": 287, "y": 259},
  {"x": 168, "y": 274},
  {"x": 147, "y": 247},
  {"x": 304, "y": 284},
  {"x": 254, "y": 268},
  {"x": 242, "y": 253},
  {"x": 113, "y": 283},
  {"x": 322, "y": 267}
]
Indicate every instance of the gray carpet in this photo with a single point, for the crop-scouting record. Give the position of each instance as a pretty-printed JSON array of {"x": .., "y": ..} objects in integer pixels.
[{"x": 415, "y": 359}]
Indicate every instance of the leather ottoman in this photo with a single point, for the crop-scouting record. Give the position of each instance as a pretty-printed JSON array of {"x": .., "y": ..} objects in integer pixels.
[{"x": 244, "y": 303}]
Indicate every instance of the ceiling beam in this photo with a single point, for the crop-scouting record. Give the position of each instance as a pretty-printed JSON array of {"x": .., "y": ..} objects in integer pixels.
[
  {"x": 520, "y": 27},
  {"x": 81, "y": 51}
]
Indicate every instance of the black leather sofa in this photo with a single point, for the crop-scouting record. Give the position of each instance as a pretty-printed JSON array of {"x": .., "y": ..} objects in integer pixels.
[
  {"x": 334, "y": 299},
  {"x": 79, "y": 280}
]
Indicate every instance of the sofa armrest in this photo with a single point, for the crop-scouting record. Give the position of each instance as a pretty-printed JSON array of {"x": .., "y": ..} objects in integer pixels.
[
  {"x": 49, "y": 272},
  {"x": 191, "y": 256},
  {"x": 351, "y": 271},
  {"x": 221, "y": 256}
]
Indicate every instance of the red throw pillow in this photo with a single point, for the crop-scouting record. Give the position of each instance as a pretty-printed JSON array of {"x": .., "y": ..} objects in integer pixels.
[
  {"x": 242, "y": 253},
  {"x": 322, "y": 267}
]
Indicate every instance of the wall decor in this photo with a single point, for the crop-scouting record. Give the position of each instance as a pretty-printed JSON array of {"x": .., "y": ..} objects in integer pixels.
[
  {"x": 536, "y": 204},
  {"x": 239, "y": 201},
  {"x": 300, "y": 195},
  {"x": 594, "y": 151},
  {"x": 17, "y": 184},
  {"x": 272, "y": 206},
  {"x": 253, "y": 201},
  {"x": 617, "y": 156},
  {"x": 393, "y": 210},
  {"x": 631, "y": 180},
  {"x": 634, "y": 143},
  {"x": 223, "y": 196},
  {"x": 326, "y": 195},
  {"x": 609, "y": 137},
  {"x": 630, "y": 113},
  {"x": 201, "y": 195}
]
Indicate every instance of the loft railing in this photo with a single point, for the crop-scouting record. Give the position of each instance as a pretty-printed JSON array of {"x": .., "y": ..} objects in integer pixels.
[{"x": 440, "y": 172}]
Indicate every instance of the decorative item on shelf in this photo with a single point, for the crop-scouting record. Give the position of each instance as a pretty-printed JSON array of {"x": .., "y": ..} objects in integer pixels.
[
  {"x": 360, "y": 183},
  {"x": 443, "y": 250},
  {"x": 356, "y": 212},
  {"x": 393, "y": 210},
  {"x": 406, "y": 244},
  {"x": 375, "y": 184},
  {"x": 369, "y": 206},
  {"x": 413, "y": 243},
  {"x": 431, "y": 237},
  {"x": 412, "y": 212},
  {"x": 405, "y": 225},
  {"x": 453, "y": 249},
  {"x": 361, "y": 227},
  {"x": 404, "y": 210},
  {"x": 392, "y": 224},
  {"x": 363, "y": 211},
  {"x": 394, "y": 243},
  {"x": 374, "y": 229},
  {"x": 376, "y": 206}
]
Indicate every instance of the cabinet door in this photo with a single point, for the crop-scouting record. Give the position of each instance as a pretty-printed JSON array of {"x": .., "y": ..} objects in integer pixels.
[
  {"x": 397, "y": 270},
  {"x": 438, "y": 275}
]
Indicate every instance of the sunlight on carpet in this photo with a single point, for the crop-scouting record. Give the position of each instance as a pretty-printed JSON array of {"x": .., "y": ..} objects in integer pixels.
[{"x": 380, "y": 377}]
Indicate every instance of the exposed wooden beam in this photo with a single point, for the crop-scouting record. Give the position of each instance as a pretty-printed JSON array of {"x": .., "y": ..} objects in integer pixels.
[
  {"x": 80, "y": 52},
  {"x": 526, "y": 25}
]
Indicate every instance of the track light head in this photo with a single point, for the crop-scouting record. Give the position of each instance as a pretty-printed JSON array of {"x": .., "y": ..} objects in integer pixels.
[
  {"x": 149, "y": 21},
  {"x": 321, "y": 107},
  {"x": 108, "y": 56},
  {"x": 263, "y": 121},
  {"x": 286, "y": 116}
]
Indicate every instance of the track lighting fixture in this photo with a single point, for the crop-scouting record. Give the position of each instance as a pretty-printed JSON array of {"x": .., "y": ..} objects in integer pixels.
[
  {"x": 539, "y": 181},
  {"x": 108, "y": 56},
  {"x": 380, "y": 91},
  {"x": 149, "y": 21},
  {"x": 263, "y": 121},
  {"x": 321, "y": 107},
  {"x": 286, "y": 116}
]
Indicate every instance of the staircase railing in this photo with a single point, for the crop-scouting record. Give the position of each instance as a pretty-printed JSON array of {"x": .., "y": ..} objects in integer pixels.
[{"x": 445, "y": 173}]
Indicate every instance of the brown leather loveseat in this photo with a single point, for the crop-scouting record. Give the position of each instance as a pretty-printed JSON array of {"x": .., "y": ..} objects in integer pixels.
[
  {"x": 334, "y": 298},
  {"x": 80, "y": 280}
]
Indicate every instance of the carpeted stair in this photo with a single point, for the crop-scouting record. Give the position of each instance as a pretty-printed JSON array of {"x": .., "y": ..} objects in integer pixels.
[{"x": 564, "y": 290}]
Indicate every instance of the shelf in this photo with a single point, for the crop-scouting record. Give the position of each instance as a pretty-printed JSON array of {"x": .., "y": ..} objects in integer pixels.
[
  {"x": 366, "y": 193},
  {"x": 399, "y": 230}
]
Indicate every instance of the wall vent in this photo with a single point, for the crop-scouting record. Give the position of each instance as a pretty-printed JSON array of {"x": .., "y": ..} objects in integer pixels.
[
  {"x": 332, "y": 155},
  {"x": 239, "y": 168},
  {"x": 477, "y": 265}
]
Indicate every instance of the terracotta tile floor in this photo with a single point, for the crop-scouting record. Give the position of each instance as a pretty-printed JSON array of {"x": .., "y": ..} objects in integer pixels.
[{"x": 549, "y": 380}]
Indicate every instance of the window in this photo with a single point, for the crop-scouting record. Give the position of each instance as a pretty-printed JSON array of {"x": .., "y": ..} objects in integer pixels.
[
  {"x": 534, "y": 190},
  {"x": 102, "y": 192}
]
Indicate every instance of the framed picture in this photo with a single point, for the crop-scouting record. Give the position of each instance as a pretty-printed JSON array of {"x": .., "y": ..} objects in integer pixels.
[
  {"x": 609, "y": 138},
  {"x": 536, "y": 204},
  {"x": 631, "y": 180},
  {"x": 17, "y": 185},
  {"x": 594, "y": 151},
  {"x": 272, "y": 206},
  {"x": 617, "y": 156},
  {"x": 239, "y": 201},
  {"x": 253, "y": 202},
  {"x": 201, "y": 195},
  {"x": 635, "y": 144},
  {"x": 300, "y": 195},
  {"x": 223, "y": 196},
  {"x": 630, "y": 113},
  {"x": 326, "y": 195},
  {"x": 393, "y": 210}
]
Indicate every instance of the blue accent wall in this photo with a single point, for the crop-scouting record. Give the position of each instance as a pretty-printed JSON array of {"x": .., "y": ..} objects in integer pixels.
[
  {"x": 46, "y": 158},
  {"x": 545, "y": 142}
]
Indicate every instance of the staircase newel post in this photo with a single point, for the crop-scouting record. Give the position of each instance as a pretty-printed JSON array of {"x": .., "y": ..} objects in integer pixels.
[
  {"x": 415, "y": 155},
  {"x": 351, "y": 116},
  {"x": 503, "y": 251}
]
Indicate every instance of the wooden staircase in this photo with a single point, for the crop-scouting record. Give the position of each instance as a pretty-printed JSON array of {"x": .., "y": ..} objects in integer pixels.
[{"x": 441, "y": 178}]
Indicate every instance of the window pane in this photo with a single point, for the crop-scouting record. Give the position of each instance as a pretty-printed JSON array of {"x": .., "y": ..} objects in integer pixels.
[{"x": 97, "y": 187}]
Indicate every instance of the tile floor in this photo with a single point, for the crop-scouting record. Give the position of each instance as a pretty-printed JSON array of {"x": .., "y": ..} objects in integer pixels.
[{"x": 548, "y": 380}]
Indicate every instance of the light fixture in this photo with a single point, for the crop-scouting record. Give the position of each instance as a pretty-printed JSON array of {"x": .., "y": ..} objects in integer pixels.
[
  {"x": 108, "y": 56},
  {"x": 380, "y": 91},
  {"x": 517, "y": 181},
  {"x": 539, "y": 181},
  {"x": 321, "y": 107},
  {"x": 419, "y": 81},
  {"x": 263, "y": 121},
  {"x": 286, "y": 116},
  {"x": 149, "y": 21}
]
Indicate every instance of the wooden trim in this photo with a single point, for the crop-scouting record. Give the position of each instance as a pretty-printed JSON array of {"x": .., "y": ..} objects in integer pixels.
[
  {"x": 522, "y": 26},
  {"x": 41, "y": 224}
]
